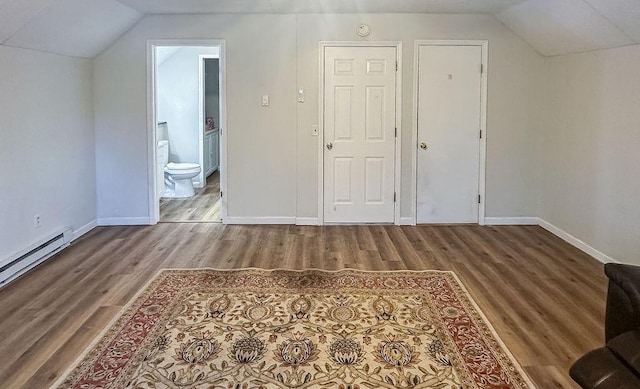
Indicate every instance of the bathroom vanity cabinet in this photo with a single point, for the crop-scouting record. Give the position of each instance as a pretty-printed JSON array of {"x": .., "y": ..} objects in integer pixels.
[{"x": 211, "y": 151}]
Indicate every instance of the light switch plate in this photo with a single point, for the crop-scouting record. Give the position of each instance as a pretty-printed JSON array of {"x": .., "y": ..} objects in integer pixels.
[{"x": 265, "y": 100}]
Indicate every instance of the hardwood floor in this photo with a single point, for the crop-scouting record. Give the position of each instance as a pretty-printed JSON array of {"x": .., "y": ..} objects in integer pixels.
[
  {"x": 544, "y": 297},
  {"x": 203, "y": 207}
]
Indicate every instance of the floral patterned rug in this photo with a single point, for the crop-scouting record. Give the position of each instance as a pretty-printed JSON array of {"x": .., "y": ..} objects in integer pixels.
[{"x": 250, "y": 328}]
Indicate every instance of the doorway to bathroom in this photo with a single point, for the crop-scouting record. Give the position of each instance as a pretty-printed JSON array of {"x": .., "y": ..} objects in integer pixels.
[{"x": 186, "y": 111}]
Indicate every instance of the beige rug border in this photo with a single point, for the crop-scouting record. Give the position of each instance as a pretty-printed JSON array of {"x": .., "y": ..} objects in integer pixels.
[{"x": 135, "y": 297}]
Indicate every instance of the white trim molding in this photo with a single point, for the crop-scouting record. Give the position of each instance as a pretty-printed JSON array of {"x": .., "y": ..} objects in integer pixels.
[
  {"x": 306, "y": 221},
  {"x": 260, "y": 220},
  {"x": 77, "y": 233},
  {"x": 484, "y": 44},
  {"x": 154, "y": 201},
  {"x": 560, "y": 233},
  {"x": 123, "y": 221},
  {"x": 511, "y": 221},
  {"x": 575, "y": 242},
  {"x": 398, "y": 148},
  {"x": 407, "y": 221}
]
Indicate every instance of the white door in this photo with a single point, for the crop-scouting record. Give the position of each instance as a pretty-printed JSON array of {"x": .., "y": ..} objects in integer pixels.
[
  {"x": 449, "y": 104},
  {"x": 359, "y": 134}
]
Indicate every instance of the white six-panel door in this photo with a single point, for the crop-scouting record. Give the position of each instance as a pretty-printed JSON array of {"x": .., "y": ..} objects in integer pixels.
[
  {"x": 359, "y": 134},
  {"x": 449, "y": 108}
]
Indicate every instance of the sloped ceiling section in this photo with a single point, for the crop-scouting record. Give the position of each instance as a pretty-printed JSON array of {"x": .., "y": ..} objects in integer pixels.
[
  {"x": 15, "y": 13},
  {"x": 557, "y": 27},
  {"x": 319, "y": 6},
  {"x": 78, "y": 28},
  {"x": 84, "y": 28}
]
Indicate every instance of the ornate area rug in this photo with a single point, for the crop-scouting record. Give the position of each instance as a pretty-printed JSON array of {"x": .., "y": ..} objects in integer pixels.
[{"x": 251, "y": 328}]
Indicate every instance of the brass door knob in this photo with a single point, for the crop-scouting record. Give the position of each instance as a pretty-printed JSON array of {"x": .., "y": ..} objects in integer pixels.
[
  {"x": 329, "y": 146},
  {"x": 423, "y": 146}
]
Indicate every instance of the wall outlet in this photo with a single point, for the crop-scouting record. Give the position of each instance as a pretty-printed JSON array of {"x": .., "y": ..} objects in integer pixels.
[
  {"x": 265, "y": 101},
  {"x": 37, "y": 220},
  {"x": 315, "y": 130},
  {"x": 300, "y": 95}
]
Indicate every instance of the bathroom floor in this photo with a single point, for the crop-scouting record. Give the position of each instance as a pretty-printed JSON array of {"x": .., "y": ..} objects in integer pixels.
[{"x": 203, "y": 207}]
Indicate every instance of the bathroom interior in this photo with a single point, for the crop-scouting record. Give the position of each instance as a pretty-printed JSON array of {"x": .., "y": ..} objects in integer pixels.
[{"x": 187, "y": 133}]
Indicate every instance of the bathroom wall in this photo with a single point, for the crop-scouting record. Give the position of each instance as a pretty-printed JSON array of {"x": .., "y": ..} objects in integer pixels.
[
  {"x": 272, "y": 156},
  {"x": 178, "y": 85},
  {"x": 47, "y": 148},
  {"x": 212, "y": 90}
]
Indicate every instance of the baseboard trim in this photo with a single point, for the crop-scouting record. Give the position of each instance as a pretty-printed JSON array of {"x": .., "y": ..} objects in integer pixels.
[
  {"x": 575, "y": 242},
  {"x": 306, "y": 221},
  {"x": 407, "y": 221},
  {"x": 260, "y": 220},
  {"x": 511, "y": 221},
  {"x": 123, "y": 221},
  {"x": 84, "y": 229}
]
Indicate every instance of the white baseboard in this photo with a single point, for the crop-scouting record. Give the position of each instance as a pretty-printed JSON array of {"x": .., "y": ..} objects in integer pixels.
[
  {"x": 260, "y": 220},
  {"x": 124, "y": 221},
  {"x": 84, "y": 229},
  {"x": 572, "y": 240},
  {"x": 306, "y": 221},
  {"x": 511, "y": 221},
  {"x": 407, "y": 221}
]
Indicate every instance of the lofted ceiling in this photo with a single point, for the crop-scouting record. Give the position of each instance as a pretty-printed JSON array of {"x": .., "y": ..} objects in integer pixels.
[
  {"x": 556, "y": 27},
  {"x": 320, "y": 6},
  {"x": 79, "y": 28},
  {"x": 84, "y": 28}
]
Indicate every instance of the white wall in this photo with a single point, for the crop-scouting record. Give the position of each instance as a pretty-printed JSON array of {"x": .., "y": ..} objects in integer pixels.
[
  {"x": 261, "y": 141},
  {"x": 46, "y": 146},
  {"x": 178, "y": 83},
  {"x": 514, "y": 102},
  {"x": 272, "y": 156},
  {"x": 212, "y": 90},
  {"x": 590, "y": 150}
]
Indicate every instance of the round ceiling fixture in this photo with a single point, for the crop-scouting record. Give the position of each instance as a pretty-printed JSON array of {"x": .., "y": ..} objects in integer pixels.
[{"x": 363, "y": 30}]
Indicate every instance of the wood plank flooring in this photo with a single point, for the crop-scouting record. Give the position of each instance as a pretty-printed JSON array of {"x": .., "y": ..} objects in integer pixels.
[
  {"x": 203, "y": 207},
  {"x": 545, "y": 298}
]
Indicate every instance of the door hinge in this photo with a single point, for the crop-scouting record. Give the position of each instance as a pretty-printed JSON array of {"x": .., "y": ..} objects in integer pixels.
[
  {"x": 481, "y": 68},
  {"x": 394, "y": 197},
  {"x": 478, "y": 199},
  {"x": 396, "y": 66},
  {"x": 220, "y": 194},
  {"x": 396, "y": 132},
  {"x": 480, "y": 134}
]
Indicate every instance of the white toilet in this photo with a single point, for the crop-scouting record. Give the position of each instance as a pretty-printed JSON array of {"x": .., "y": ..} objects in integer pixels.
[{"x": 177, "y": 176}]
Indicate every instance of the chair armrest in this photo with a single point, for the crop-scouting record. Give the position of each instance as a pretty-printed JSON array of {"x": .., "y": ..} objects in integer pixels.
[
  {"x": 623, "y": 299},
  {"x": 600, "y": 369}
]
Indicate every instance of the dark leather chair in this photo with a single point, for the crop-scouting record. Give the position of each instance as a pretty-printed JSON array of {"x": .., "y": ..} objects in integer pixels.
[{"x": 617, "y": 365}]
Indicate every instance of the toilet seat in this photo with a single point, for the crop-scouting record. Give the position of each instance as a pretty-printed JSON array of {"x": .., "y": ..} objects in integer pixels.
[{"x": 182, "y": 168}]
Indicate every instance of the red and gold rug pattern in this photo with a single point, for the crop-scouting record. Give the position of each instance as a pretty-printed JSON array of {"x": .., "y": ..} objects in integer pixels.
[{"x": 252, "y": 328}]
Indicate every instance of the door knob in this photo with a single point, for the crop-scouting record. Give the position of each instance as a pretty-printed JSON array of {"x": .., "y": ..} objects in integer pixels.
[
  {"x": 329, "y": 146},
  {"x": 423, "y": 146}
]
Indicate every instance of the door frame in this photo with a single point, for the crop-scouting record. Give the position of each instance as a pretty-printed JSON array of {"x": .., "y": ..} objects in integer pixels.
[
  {"x": 202, "y": 110},
  {"x": 154, "y": 200},
  {"x": 398, "y": 109},
  {"x": 484, "y": 45}
]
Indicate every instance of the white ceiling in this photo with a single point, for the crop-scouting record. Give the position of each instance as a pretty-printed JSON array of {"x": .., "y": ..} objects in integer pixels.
[
  {"x": 79, "y": 28},
  {"x": 556, "y": 27},
  {"x": 84, "y": 28},
  {"x": 319, "y": 6}
]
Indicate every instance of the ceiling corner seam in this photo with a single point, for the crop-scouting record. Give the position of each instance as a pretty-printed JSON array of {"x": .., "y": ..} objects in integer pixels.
[{"x": 620, "y": 29}]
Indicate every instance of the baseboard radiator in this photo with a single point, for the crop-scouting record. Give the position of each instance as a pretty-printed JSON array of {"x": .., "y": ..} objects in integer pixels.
[{"x": 18, "y": 264}]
